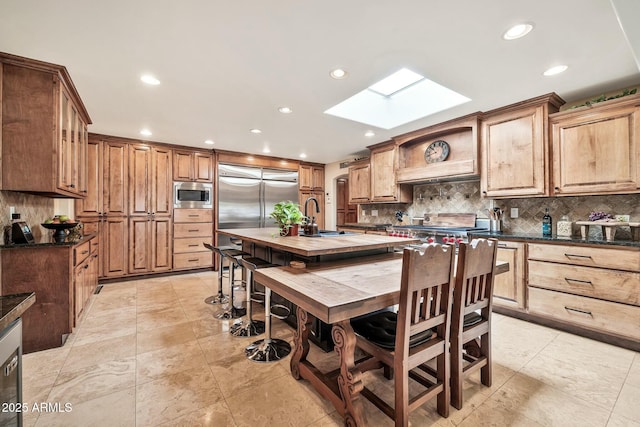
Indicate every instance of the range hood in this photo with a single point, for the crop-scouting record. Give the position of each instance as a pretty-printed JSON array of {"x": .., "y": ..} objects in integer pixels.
[{"x": 461, "y": 138}]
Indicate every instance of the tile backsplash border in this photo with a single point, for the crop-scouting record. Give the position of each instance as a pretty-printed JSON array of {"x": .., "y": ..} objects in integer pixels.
[{"x": 466, "y": 197}]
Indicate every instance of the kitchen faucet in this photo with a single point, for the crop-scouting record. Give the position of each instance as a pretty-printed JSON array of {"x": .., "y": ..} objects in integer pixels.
[{"x": 309, "y": 228}]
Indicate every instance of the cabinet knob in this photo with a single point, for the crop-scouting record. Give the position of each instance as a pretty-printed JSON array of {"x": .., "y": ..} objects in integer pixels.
[
  {"x": 484, "y": 192},
  {"x": 556, "y": 188}
]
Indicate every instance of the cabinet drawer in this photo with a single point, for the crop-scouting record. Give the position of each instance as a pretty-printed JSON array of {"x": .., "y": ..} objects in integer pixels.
[
  {"x": 621, "y": 259},
  {"x": 197, "y": 229},
  {"x": 81, "y": 252},
  {"x": 613, "y": 285},
  {"x": 194, "y": 244},
  {"x": 193, "y": 215},
  {"x": 193, "y": 260},
  {"x": 605, "y": 316}
]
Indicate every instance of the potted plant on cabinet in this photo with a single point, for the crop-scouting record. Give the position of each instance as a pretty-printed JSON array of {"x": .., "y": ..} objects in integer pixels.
[{"x": 288, "y": 217}]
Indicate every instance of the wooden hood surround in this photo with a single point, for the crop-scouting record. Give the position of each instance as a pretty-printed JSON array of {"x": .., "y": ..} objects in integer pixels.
[{"x": 462, "y": 163}]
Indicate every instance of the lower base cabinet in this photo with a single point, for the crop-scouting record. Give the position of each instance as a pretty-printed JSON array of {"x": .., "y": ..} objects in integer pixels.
[
  {"x": 191, "y": 229},
  {"x": 63, "y": 278},
  {"x": 508, "y": 288}
]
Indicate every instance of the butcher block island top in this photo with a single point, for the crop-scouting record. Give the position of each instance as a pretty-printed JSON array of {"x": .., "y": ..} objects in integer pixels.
[{"x": 314, "y": 246}]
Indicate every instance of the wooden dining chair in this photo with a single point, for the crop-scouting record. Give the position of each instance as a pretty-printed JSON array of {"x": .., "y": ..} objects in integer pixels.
[
  {"x": 418, "y": 333},
  {"x": 471, "y": 315}
]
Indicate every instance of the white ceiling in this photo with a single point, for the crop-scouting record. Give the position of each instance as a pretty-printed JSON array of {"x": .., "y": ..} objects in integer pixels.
[{"x": 226, "y": 66}]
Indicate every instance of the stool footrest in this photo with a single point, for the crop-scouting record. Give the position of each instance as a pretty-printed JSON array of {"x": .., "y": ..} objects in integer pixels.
[{"x": 280, "y": 311}]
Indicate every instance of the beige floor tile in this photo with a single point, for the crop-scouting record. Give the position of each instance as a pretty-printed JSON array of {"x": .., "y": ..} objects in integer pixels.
[
  {"x": 102, "y": 328},
  {"x": 169, "y": 314},
  {"x": 216, "y": 415},
  {"x": 45, "y": 362},
  {"x": 518, "y": 341},
  {"x": 545, "y": 404},
  {"x": 297, "y": 406},
  {"x": 628, "y": 403},
  {"x": 175, "y": 395},
  {"x": 491, "y": 415},
  {"x": 36, "y": 389},
  {"x": 164, "y": 336},
  {"x": 197, "y": 309},
  {"x": 633, "y": 377},
  {"x": 619, "y": 421},
  {"x": 332, "y": 420},
  {"x": 98, "y": 352},
  {"x": 168, "y": 361},
  {"x": 111, "y": 304},
  {"x": 208, "y": 326},
  {"x": 113, "y": 410},
  {"x": 91, "y": 382}
]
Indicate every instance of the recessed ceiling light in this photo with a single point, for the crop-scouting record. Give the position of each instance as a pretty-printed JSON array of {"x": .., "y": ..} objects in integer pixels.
[
  {"x": 517, "y": 31},
  {"x": 555, "y": 70},
  {"x": 369, "y": 133},
  {"x": 338, "y": 73},
  {"x": 255, "y": 131},
  {"x": 149, "y": 79},
  {"x": 285, "y": 110},
  {"x": 145, "y": 132},
  {"x": 303, "y": 156},
  {"x": 209, "y": 142},
  {"x": 266, "y": 150}
]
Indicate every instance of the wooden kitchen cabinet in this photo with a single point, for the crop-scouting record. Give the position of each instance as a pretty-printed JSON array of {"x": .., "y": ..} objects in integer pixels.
[
  {"x": 384, "y": 164},
  {"x": 192, "y": 228},
  {"x": 346, "y": 213},
  {"x": 514, "y": 148},
  {"x": 509, "y": 287},
  {"x": 360, "y": 182},
  {"x": 592, "y": 289},
  {"x": 311, "y": 177},
  {"x": 150, "y": 208},
  {"x": 319, "y": 195},
  {"x": 190, "y": 165},
  {"x": 596, "y": 148},
  {"x": 44, "y": 129},
  {"x": 63, "y": 286}
]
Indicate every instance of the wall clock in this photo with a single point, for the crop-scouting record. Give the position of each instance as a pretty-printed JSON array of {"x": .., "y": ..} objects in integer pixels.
[{"x": 437, "y": 151}]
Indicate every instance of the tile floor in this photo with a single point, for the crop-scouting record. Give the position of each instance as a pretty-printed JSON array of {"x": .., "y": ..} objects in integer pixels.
[{"x": 149, "y": 353}]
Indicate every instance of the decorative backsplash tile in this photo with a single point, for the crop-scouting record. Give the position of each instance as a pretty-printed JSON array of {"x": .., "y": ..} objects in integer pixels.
[
  {"x": 32, "y": 209},
  {"x": 465, "y": 197}
]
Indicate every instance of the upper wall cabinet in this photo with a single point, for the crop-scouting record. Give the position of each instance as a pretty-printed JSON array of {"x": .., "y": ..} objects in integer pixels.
[
  {"x": 384, "y": 163},
  {"x": 514, "y": 153},
  {"x": 360, "y": 182},
  {"x": 44, "y": 129},
  {"x": 596, "y": 148},
  {"x": 446, "y": 151},
  {"x": 311, "y": 177},
  {"x": 189, "y": 165}
]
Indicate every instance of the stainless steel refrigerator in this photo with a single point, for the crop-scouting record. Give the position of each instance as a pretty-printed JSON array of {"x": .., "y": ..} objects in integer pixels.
[{"x": 246, "y": 196}]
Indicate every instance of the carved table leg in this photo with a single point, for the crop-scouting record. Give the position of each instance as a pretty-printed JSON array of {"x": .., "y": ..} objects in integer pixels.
[
  {"x": 301, "y": 342},
  {"x": 350, "y": 378}
]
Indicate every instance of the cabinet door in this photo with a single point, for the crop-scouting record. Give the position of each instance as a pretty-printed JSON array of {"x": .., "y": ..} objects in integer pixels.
[
  {"x": 115, "y": 178},
  {"x": 91, "y": 205},
  {"x": 161, "y": 243},
  {"x": 305, "y": 178},
  {"x": 508, "y": 288},
  {"x": 114, "y": 241},
  {"x": 139, "y": 244},
  {"x": 383, "y": 175},
  {"x": 318, "y": 178},
  {"x": 203, "y": 167},
  {"x": 161, "y": 182},
  {"x": 139, "y": 180},
  {"x": 64, "y": 143},
  {"x": 359, "y": 183},
  {"x": 182, "y": 165},
  {"x": 597, "y": 153},
  {"x": 79, "y": 285},
  {"x": 513, "y": 154}
]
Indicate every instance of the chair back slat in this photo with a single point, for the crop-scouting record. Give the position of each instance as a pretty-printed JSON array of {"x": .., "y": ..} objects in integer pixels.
[
  {"x": 474, "y": 279},
  {"x": 425, "y": 293}
]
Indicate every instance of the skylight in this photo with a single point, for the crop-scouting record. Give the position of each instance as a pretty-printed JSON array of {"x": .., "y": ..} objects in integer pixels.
[{"x": 400, "y": 98}]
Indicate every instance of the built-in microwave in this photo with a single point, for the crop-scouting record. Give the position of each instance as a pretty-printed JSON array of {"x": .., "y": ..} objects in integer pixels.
[{"x": 192, "y": 195}]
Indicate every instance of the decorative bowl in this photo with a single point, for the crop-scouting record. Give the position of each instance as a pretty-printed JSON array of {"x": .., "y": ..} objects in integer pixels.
[{"x": 59, "y": 235}]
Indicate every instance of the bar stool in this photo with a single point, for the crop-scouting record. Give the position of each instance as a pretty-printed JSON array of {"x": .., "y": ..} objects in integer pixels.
[
  {"x": 220, "y": 298},
  {"x": 231, "y": 311},
  {"x": 269, "y": 349},
  {"x": 250, "y": 327}
]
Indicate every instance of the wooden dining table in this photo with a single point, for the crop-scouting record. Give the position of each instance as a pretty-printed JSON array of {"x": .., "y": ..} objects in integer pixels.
[{"x": 335, "y": 292}]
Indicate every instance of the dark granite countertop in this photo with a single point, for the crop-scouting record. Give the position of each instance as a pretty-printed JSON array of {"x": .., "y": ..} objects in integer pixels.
[
  {"x": 13, "y": 306},
  {"x": 536, "y": 237},
  {"x": 367, "y": 225},
  {"x": 46, "y": 240}
]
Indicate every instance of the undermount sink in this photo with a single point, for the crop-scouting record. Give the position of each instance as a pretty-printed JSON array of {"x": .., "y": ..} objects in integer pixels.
[{"x": 328, "y": 233}]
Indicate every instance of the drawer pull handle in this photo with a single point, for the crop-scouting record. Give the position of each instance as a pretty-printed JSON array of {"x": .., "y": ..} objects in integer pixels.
[
  {"x": 502, "y": 245},
  {"x": 193, "y": 231},
  {"x": 84, "y": 252},
  {"x": 577, "y": 256},
  {"x": 588, "y": 313},
  {"x": 586, "y": 282},
  {"x": 193, "y": 216},
  {"x": 193, "y": 246},
  {"x": 193, "y": 260}
]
